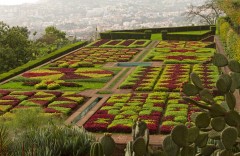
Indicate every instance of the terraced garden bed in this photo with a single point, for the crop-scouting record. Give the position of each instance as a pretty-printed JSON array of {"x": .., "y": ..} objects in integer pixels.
[
  {"x": 50, "y": 101},
  {"x": 96, "y": 56},
  {"x": 180, "y": 55},
  {"x": 130, "y": 43},
  {"x": 53, "y": 78}
]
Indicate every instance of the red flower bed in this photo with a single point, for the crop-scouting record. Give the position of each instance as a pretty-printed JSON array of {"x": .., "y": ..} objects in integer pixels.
[
  {"x": 29, "y": 74},
  {"x": 181, "y": 57},
  {"x": 13, "y": 102},
  {"x": 100, "y": 42},
  {"x": 70, "y": 105},
  {"x": 127, "y": 42},
  {"x": 4, "y": 92},
  {"x": 120, "y": 129},
  {"x": 40, "y": 102},
  {"x": 113, "y": 42},
  {"x": 51, "y": 110}
]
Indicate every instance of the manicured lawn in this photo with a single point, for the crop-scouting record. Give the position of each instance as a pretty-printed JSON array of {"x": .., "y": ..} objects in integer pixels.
[
  {"x": 191, "y": 32},
  {"x": 156, "y": 36}
]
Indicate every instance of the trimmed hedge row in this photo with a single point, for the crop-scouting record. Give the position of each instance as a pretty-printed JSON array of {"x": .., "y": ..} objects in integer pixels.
[
  {"x": 187, "y": 37},
  {"x": 230, "y": 39},
  {"x": 37, "y": 62},
  {"x": 169, "y": 29},
  {"x": 125, "y": 35}
]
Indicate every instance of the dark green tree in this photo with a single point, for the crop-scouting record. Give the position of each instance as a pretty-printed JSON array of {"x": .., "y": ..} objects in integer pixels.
[
  {"x": 15, "y": 47},
  {"x": 53, "y": 36}
]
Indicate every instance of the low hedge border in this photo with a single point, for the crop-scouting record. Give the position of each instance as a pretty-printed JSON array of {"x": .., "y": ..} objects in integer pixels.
[{"x": 37, "y": 62}]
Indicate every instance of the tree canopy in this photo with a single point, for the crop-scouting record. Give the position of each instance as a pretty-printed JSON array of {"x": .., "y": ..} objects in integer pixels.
[
  {"x": 231, "y": 8},
  {"x": 15, "y": 47},
  {"x": 208, "y": 13}
]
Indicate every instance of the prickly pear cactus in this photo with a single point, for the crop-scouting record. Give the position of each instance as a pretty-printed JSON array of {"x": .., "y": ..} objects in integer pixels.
[
  {"x": 108, "y": 144},
  {"x": 220, "y": 122}
]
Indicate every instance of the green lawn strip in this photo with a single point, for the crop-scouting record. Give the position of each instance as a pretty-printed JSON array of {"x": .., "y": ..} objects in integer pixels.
[
  {"x": 156, "y": 36},
  {"x": 141, "y": 56},
  {"x": 118, "y": 78},
  {"x": 191, "y": 32},
  {"x": 85, "y": 85}
]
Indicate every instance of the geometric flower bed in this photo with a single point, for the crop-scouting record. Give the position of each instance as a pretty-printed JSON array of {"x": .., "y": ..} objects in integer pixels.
[
  {"x": 142, "y": 79},
  {"x": 180, "y": 55},
  {"x": 208, "y": 74},
  {"x": 131, "y": 43},
  {"x": 183, "y": 44},
  {"x": 172, "y": 78},
  {"x": 97, "y": 56},
  {"x": 120, "y": 110},
  {"x": 50, "y": 101},
  {"x": 56, "y": 78},
  {"x": 179, "y": 112}
]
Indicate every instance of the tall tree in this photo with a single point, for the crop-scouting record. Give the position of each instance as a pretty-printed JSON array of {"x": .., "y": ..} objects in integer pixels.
[
  {"x": 53, "y": 36},
  {"x": 15, "y": 47},
  {"x": 231, "y": 8},
  {"x": 207, "y": 13}
]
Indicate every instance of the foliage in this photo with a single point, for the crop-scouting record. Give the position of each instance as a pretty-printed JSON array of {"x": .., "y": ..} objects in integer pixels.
[
  {"x": 230, "y": 38},
  {"x": 15, "y": 47},
  {"x": 41, "y": 60},
  {"x": 231, "y": 8}
]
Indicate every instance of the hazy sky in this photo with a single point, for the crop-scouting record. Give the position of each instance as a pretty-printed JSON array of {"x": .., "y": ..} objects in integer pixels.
[{"x": 16, "y": 2}]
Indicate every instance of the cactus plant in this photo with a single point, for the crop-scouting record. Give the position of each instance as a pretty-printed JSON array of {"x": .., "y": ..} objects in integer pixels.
[
  {"x": 202, "y": 120},
  {"x": 96, "y": 149},
  {"x": 196, "y": 80},
  {"x": 108, "y": 144},
  {"x": 169, "y": 147},
  {"x": 218, "y": 123},
  {"x": 229, "y": 137},
  {"x": 231, "y": 100},
  {"x": 219, "y": 60},
  {"x": 190, "y": 90},
  {"x": 179, "y": 135},
  {"x": 234, "y": 66},
  {"x": 139, "y": 147}
]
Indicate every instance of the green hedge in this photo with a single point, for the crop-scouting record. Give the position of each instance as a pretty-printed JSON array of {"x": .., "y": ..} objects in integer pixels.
[
  {"x": 169, "y": 29},
  {"x": 37, "y": 62},
  {"x": 230, "y": 38},
  {"x": 125, "y": 35},
  {"x": 187, "y": 37}
]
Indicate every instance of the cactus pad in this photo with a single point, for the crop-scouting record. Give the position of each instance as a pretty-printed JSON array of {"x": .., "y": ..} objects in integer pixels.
[
  {"x": 108, "y": 144},
  {"x": 206, "y": 96},
  {"x": 219, "y": 60},
  {"x": 234, "y": 66},
  {"x": 224, "y": 83},
  {"x": 187, "y": 151},
  {"x": 208, "y": 150},
  {"x": 216, "y": 111},
  {"x": 170, "y": 148},
  {"x": 196, "y": 80},
  {"x": 229, "y": 137},
  {"x": 193, "y": 133},
  {"x": 189, "y": 89},
  {"x": 232, "y": 118},
  {"x": 218, "y": 123},
  {"x": 201, "y": 140},
  {"x": 231, "y": 100},
  {"x": 202, "y": 120},
  {"x": 179, "y": 135},
  {"x": 139, "y": 147}
]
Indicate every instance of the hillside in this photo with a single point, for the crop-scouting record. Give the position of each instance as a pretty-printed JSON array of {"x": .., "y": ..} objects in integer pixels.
[{"x": 108, "y": 84}]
